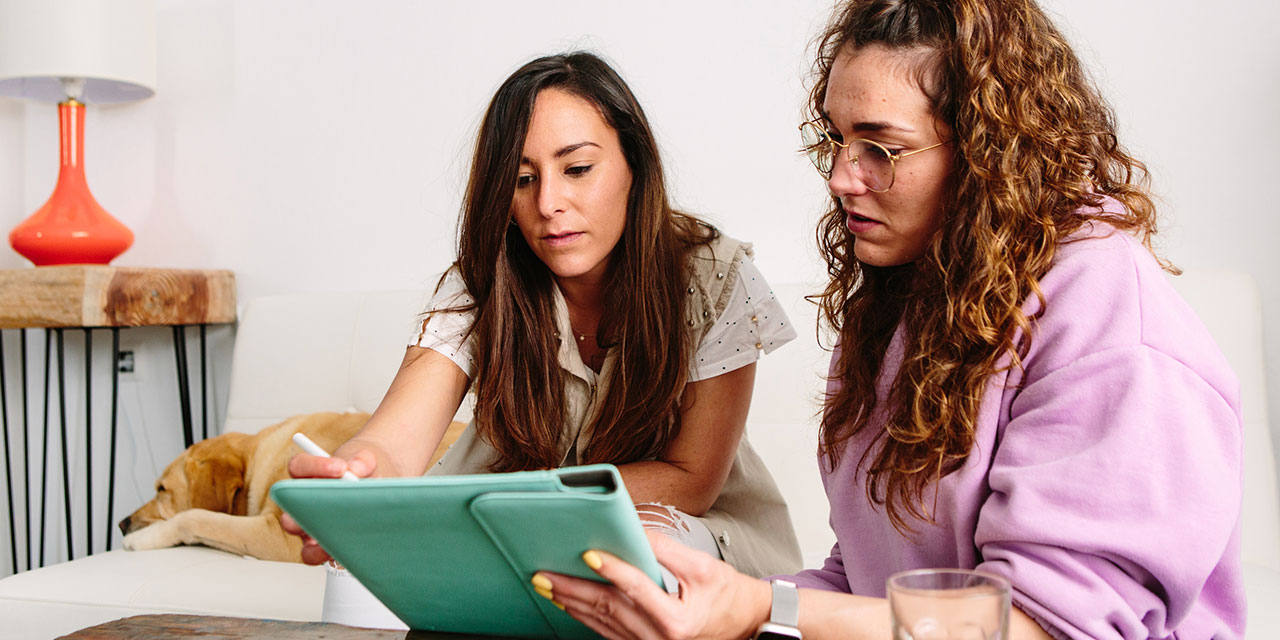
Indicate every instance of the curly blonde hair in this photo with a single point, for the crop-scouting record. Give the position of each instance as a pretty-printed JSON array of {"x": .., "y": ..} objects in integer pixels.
[{"x": 1034, "y": 155}]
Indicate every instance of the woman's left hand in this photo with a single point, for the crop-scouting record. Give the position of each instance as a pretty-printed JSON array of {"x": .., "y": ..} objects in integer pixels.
[{"x": 715, "y": 601}]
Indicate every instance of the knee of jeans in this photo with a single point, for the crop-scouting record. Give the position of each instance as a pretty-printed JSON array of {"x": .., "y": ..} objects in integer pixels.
[{"x": 663, "y": 518}]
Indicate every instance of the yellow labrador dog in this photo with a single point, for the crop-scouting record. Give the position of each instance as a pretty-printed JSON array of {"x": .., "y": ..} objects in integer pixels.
[{"x": 216, "y": 492}]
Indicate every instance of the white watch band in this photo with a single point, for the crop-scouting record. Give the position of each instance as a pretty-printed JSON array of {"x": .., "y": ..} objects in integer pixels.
[{"x": 786, "y": 604}]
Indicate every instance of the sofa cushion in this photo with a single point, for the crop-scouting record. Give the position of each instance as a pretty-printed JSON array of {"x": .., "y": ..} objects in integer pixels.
[
  {"x": 64, "y": 597},
  {"x": 306, "y": 353}
]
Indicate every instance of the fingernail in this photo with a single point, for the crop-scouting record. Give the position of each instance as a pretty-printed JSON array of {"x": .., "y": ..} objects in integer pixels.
[
  {"x": 546, "y": 593},
  {"x": 593, "y": 560},
  {"x": 541, "y": 582},
  {"x": 558, "y": 605}
]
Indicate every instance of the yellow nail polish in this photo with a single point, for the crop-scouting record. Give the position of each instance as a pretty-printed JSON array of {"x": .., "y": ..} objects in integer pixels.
[
  {"x": 593, "y": 560},
  {"x": 541, "y": 582},
  {"x": 546, "y": 593},
  {"x": 558, "y": 605}
]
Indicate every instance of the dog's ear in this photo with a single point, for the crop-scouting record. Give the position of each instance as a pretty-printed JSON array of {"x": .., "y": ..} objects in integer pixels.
[{"x": 216, "y": 480}]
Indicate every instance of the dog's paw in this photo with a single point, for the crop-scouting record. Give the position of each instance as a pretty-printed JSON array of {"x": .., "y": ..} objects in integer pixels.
[{"x": 159, "y": 535}]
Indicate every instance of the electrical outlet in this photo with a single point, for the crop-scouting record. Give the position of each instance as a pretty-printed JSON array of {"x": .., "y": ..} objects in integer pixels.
[{"x": 125, "y": 363}]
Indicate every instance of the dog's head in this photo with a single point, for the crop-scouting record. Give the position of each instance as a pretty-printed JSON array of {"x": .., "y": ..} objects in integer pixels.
[{"x": 208, "y": 475}]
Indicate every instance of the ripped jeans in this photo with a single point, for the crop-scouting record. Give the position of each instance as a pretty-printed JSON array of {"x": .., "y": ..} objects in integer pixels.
[{"x": 681, "y": 527}]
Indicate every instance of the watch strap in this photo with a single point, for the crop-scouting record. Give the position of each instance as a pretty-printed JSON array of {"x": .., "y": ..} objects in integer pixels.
[{"x": 786, "y": 603}]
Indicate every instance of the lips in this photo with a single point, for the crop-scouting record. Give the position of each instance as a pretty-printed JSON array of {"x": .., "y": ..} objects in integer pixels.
[
  {"x": 859, "y": 223},
  {"x": 562, "y": 238}
]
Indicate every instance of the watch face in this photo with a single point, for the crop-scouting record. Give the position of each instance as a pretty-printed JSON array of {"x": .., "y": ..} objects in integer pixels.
[
  {"x": 773, "y": 635},
  {"x": 775, "y": 631}
]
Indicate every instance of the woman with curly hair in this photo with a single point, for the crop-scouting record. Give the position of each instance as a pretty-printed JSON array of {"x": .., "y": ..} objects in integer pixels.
[{"x": 1016, "y": 388}]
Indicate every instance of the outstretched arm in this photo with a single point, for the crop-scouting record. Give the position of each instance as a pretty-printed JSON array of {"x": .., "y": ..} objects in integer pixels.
[
  {"x": 405, "y": 429},
  {"x": 399, "y": 438},
  {"x": 690, "y": 473},
  {"x": 412, "y": 418}
]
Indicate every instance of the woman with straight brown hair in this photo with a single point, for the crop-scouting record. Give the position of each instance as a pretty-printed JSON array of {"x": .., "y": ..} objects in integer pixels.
[
  {"x": 593, "y": 322},
  {"x": 1016, "y": 389}
]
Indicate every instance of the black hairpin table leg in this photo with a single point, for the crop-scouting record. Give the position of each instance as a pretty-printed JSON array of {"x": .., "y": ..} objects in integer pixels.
[
  {"x": 62, "y": 421},
  {"x": 88, "y": 441},
  {"x": 204, "y": 384},
  {"x": 115, "y": 412},
  {"x": 26, "y": 450},
  {"x": 8, "y": 466},
  {"x": 44, "y": 446},
  {"x": 184, "y": 390}
]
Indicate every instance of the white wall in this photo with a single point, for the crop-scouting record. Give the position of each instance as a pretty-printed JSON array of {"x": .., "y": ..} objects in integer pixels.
[{"x": 315, "y": 145}]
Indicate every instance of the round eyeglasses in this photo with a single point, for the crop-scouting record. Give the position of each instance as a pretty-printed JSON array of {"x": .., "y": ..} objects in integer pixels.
[{"x": 874, "y": 164}]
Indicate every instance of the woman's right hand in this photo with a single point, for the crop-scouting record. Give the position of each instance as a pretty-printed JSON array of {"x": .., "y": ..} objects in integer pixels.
[
  {"x": 715, "y": 601},
  {"x": 363, "y": 463},
  {"x": 399, "y": 438}
]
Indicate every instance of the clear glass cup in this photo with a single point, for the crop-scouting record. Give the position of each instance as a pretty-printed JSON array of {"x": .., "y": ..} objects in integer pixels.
[{"x": 948, "y": 604}]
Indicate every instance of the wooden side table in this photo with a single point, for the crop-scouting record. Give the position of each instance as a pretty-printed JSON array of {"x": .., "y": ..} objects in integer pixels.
[{"x": 89, "y": 298}]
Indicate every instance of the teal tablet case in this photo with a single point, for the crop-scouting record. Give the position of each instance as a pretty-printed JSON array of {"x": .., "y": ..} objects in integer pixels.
[{"x": 456, "y": 553}]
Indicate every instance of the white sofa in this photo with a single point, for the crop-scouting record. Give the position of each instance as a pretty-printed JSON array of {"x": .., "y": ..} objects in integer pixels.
[{"x": 279, "y": 371}]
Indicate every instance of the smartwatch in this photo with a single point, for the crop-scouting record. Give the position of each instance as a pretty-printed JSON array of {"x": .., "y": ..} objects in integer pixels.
[{"x": 784, "y": 614}]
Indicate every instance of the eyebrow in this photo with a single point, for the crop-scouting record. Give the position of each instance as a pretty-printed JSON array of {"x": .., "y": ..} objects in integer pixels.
[
  {"x": 881, "y": 126},
  {"x": 873, "y": 126},
  {"x": 567, "y": 149}
]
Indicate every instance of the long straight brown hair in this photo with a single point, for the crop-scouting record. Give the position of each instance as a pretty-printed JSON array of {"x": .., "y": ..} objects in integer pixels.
[
  {"x": 1034, "y": 153},
  {"x": 519, "y": 383}
]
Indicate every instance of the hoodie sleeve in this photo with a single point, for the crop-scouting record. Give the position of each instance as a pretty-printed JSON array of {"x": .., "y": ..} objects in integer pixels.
[
  {"x": 1116, "y": 492},
  {"x": 830, "y": 577}
]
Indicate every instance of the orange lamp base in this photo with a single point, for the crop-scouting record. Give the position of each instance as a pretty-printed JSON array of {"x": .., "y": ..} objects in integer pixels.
[{"x": 71, "y": 228}]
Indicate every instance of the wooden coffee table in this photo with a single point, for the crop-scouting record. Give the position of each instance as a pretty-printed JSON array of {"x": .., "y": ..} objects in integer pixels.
[{"x": 221, "y": 628}]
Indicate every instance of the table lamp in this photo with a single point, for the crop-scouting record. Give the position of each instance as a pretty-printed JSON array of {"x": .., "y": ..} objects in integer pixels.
[{"x": 75, "y": 52}]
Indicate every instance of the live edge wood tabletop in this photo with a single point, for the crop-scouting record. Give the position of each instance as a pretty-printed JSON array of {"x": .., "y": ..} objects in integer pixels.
[{"x": 106, "y": 296}]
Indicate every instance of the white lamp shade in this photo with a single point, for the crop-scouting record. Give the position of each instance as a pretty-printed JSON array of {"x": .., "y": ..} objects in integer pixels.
[{"x": 110, "y": 44}]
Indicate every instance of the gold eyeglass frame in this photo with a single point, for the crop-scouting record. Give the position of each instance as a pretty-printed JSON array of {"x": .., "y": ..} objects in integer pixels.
[{"x": 894, "y": 156}]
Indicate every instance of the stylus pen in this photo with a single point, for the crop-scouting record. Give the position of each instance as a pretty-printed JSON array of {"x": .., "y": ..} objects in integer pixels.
[{"x": 314, "y": 449}]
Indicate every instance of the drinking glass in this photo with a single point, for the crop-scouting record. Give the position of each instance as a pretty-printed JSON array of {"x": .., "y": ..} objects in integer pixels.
[{"x": 948, "y": 604}]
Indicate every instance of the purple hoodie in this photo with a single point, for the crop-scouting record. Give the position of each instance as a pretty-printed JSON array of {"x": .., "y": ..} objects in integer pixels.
[{"x": 1105, "y": 479}]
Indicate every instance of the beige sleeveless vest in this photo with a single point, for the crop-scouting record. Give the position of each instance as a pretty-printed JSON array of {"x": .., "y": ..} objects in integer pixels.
[{"x": 749, "y": 520}]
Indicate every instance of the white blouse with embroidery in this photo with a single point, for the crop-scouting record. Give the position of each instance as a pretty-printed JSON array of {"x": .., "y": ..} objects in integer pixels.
[{"x": 752, "y": 321}]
